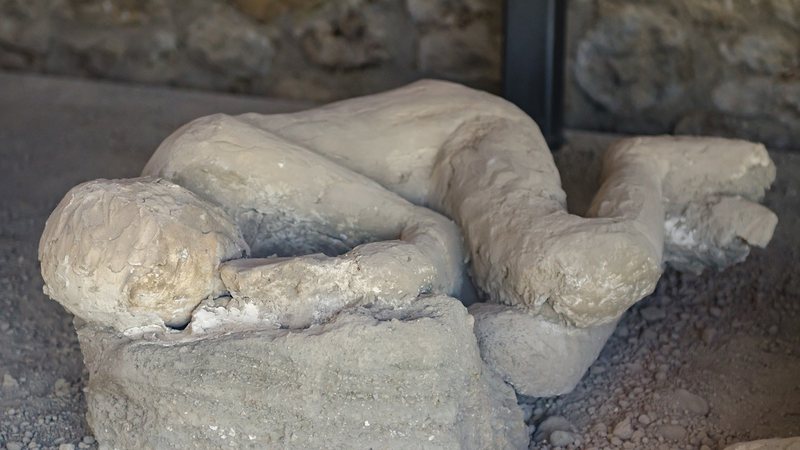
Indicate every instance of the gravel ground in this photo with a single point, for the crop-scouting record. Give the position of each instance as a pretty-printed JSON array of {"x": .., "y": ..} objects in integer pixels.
[{"x": 706, "y": 361}]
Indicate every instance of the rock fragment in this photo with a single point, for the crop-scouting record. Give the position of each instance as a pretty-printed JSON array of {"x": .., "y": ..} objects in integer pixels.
[
  {"x": 61, "y": 387},
  {"x": 652, "y": 313},
  {"x": 623, "y": 429},
  {"x": 9, "y": 382},
  {"x": 551, "y": 425},
  {"x": 685, "y": 401},
  {"x": 560, "y": 438},
  {"x": 671, "y": 432}
]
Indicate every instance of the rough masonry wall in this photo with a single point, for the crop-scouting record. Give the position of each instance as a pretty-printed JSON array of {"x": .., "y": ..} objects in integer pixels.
[
  {"x": 311, "y": 49},
  {"x": 723, "y": 67}
]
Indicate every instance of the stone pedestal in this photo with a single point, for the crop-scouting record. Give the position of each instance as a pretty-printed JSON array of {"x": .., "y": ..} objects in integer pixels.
[{"x": 402, "y": 378}]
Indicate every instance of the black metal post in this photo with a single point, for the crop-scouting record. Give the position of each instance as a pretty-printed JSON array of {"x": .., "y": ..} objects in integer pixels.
[{"x": 533, "y": 66}]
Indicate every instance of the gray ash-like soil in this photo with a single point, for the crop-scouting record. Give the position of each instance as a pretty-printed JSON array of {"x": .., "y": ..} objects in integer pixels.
[{"x": 707, "y": 360}]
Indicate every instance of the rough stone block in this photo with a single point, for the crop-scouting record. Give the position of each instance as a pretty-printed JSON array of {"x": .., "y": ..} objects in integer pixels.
[
  {"x": 370, "y": 378},
  {"x": 538, "y": 357}
]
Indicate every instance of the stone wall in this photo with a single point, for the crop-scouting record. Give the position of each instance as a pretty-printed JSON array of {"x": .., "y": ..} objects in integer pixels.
[
  {"x": 310, "y": 49},
  {"x": 728, "y": 67},
  {"x": 725, "y": 67}
]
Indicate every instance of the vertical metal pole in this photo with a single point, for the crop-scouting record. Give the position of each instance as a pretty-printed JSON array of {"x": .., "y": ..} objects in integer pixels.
[{"x": 533, "y": 66}]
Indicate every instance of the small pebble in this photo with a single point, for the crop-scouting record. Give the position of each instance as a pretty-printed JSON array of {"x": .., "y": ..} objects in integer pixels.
[
  {"x": 550, "y": 425},
  {"x": 9, "y": 383},
  {"x": 649, "y": 335},
  {"x": 708, "y": 335},
  {"x": 61, "y": 387},
  {"x": 672, "y": 432},
  {"x": 653, "y": 313},
  {"x": 66, "y": 447},
  {"x": 624, "y": 429},
  {"x": 561, "y": 438},
  {"x": 644, "y": 419},
  {"x": 684, "y": 400},
  {"x": 14, "y": 446},
  {"x": 597, "y": 369}
]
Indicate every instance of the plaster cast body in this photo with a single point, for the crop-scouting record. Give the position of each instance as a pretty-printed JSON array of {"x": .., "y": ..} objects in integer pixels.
[
  {"x": 480, "y": 160},
  {"x": 136, "y": 252},
  {"x": 346, "y": 208},
  {"x": 289, "y": 200},
  {"x": 711, "y": 190}
]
